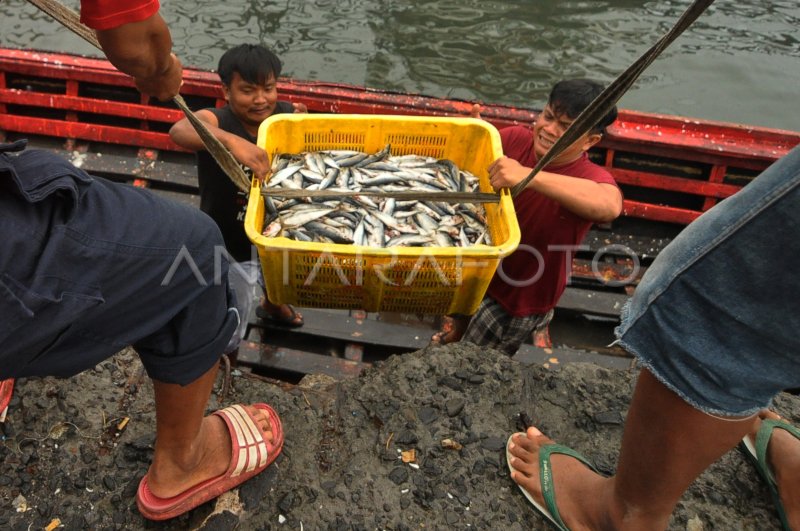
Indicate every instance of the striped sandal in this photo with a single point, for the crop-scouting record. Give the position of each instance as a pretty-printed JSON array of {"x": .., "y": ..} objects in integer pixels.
[{"x": 251, "y": 454}]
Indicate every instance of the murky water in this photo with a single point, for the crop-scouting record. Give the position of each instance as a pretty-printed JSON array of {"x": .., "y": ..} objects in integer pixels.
[{"x": 740, "y": 62}]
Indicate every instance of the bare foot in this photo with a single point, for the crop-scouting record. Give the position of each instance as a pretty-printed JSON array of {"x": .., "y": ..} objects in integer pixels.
[
  {"x": 283, "y": 313},
  {"x": 170, "y": 475},
  {"x": 783, "y": 455},
  {"x": 578, "y": 490},
  {"x": 452, "y": 330}
]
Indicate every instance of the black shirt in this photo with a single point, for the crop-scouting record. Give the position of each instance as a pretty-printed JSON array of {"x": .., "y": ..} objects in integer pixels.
[{"x": 219, "y": 197}]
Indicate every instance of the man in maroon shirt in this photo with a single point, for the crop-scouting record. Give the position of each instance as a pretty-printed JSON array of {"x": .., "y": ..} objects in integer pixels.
[{"x": 554, "y": 212}]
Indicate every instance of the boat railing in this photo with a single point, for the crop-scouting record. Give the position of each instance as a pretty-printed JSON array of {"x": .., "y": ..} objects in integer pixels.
[{"x": 670, "y": 169}]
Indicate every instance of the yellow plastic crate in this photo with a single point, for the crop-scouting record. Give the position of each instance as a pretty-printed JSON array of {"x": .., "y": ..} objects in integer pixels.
[{"x": 422, "y": 280}]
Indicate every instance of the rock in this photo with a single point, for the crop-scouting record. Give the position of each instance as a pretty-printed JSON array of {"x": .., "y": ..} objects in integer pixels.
[
  {"x": 109, "y": 483},
  {"x": 454, "y": 406},
  {"x": 286, "y": 503},
  {"x": 452, "y": 383},
  {"x": 609, "y": 417},
  {"x": 406, "y": 437},
  {"x": 399, "y": 475},
  {"x": 426, "y": 415},
  {"x": 494, "y": 444}
]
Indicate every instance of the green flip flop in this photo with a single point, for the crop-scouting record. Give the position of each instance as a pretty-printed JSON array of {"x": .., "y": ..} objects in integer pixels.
[
  {"x": 549, "y": 510},
  {"x": 757, "y": 453}
]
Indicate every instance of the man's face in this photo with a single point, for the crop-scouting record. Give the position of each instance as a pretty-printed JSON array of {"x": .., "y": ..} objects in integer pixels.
[
  {"x": 250, "y": 102},
  {"x": 548, "y": 128}
]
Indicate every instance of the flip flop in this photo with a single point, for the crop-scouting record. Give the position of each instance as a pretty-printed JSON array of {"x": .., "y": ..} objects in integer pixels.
[
  {"x": 291, "y": 322},
  {"x": 549, "y": 510},
  {"x": 6, "y": 389},
  {"x": 251, "y": 454},
  {"x": 757, "y": 454}
]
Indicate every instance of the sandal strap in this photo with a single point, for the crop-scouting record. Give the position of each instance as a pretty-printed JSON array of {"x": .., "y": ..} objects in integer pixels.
[
  {"x": 249, "y": 445},
  {"x": 763, "y": 437},
  {"x": 546, "y": 476}
]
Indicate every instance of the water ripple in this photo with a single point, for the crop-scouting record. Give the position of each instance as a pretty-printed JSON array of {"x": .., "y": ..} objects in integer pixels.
[{"x": 500, "y": 51}]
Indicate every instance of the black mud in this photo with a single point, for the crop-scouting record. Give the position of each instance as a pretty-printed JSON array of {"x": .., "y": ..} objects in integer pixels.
[{"x": 64, "y": 456}]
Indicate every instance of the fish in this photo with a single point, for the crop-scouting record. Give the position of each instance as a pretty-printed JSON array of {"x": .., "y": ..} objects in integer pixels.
[{"x": 370, "y": 221}]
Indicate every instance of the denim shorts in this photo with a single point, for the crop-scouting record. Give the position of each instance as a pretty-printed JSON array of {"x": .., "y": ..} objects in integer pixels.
[
  {"x": 88, "y": 267},
  {"x": 716, "y": 318}
]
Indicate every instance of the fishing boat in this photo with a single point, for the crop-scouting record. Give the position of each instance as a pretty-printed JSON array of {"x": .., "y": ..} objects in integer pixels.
[{"x": 671, "y": 169}]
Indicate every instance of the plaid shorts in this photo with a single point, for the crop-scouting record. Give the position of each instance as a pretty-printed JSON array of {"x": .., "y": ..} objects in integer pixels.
[{"x": 492, "y": 326}]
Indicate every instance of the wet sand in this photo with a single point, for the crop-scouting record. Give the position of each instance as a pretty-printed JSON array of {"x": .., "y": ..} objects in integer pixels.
[{"x": 66, "y": 454}]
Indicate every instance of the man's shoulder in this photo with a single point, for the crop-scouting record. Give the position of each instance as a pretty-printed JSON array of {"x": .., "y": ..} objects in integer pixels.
[
  {"x": 517, "y": 142},
  {"x": 516, "y": 132},
  {"x": 227, "y": 121}
]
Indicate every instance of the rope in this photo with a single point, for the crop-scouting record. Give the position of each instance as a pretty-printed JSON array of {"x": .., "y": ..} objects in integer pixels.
[{"x": 71, "y": 20}]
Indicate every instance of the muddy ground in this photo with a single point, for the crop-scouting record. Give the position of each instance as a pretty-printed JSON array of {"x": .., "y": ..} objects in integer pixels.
[{"x": 67, "y": 456}]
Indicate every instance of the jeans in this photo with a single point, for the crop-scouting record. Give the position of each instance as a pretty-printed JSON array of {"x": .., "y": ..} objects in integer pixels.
[{"x": 716, "y": 317}]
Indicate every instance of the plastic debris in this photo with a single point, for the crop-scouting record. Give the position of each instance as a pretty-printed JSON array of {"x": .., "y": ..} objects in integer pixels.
[
  {"x": 124, "y": 422},
  {"x": 450, "y": 444},
  {"x": 20, "y": 504}
]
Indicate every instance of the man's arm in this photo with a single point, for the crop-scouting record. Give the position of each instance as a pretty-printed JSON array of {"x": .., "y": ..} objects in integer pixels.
[
  {"x": 597, "y": 202},
  {"x": 247, "y": 153},
  {"x": 143, "y": 50}
]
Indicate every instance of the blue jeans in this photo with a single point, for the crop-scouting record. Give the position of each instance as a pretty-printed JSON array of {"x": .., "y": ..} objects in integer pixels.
[{"x": 716, "y": 318}]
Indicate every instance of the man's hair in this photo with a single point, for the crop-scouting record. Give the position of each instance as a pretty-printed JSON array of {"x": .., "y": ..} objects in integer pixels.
[
  {"x": 572, "y": 96},
  {"x": 253, "y": 62}
]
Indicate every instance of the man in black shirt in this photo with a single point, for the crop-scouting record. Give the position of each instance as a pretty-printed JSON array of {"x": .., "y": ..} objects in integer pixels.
[{"x": 249, "y": 75}]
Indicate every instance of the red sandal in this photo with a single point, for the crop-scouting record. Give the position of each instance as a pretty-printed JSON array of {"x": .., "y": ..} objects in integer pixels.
[
  {"x": 6, "y": 390},
  {"x": 251, "y": 453}
]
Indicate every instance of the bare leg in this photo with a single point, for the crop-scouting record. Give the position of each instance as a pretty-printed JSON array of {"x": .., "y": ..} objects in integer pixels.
[
  {"x": 783, "y": 455},
  {"x": 665, "y": 446},
  {"x": 189, "y": 448}
]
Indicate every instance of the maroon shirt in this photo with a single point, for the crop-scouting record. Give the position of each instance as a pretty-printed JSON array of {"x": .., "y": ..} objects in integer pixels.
[{"x": 531, "y": 279}]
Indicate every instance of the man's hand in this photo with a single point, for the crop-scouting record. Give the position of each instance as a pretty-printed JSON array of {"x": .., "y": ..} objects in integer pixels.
[
  {"x": 249, "y": 154},
  {"x": 506, "y": 172},
  {"x": 163, "y": 86},
  {"x": 142, "y": 50},
  {"x": 300, "y": 107},
  {"x": 475, "y": 112}
]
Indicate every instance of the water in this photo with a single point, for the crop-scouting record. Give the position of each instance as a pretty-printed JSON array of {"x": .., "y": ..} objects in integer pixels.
[{"x": 740, "y": 62}]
